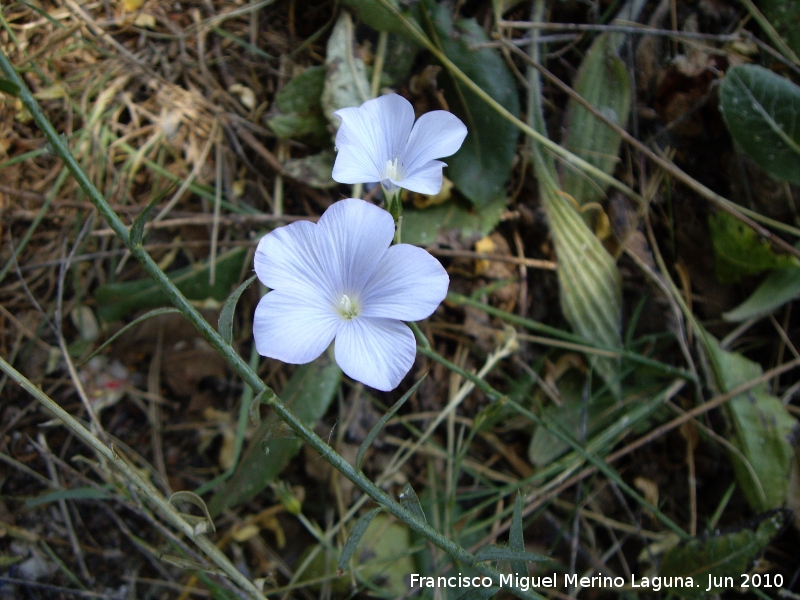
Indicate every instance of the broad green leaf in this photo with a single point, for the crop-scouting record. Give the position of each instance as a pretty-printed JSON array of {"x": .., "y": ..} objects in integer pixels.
[
  {"x": 762, "y": 429},
  {"x": 545, "y": 447},
  {"x": 382, "y": 561},
  {"x": 422, "y": 226},
  {"x": 115, "y": 300},
  {"x": 780, "y": 286},
  {"x": 346, "y": 81},
  {"x": 720, "y": 558},
  {"x": 784, "y": 15},
  {"x": 589, "y": 281},
  {"x": 603, "y": 81},
  {"x": 81, "y": 493},
  {"x": 739, "y": 251},
  {"x": 308, "y": 394},
  {"x": 506, "y": 553},
  {"x": 302, "y": 94},
  {"x": 299, "y": 109},
  {"x": 225, "y": 323},
  {"x": 760, "y": 109},
  {"x": 482, "y": 166},
  {"x": 401, "y": 52},
  {"x": 315, "y": 170},
  {"x": 355, "y": 538},
  {"x": 377, "y": 16}
]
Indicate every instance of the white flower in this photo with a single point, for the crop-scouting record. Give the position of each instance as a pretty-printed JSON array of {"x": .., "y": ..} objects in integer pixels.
[
  {"x": 379, "y": 141},
  {"x": 339, "y": 279}
]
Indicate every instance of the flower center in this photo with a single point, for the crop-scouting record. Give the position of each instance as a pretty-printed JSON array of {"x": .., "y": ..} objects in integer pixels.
[
  {"x": 347, "y": 307},
  {"x": 392, "y": 170}
]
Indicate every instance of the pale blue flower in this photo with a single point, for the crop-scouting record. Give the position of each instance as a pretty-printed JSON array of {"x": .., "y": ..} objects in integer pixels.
[
  {"x": 379, "y": 142},
  {"x": 339, "y": 279}
]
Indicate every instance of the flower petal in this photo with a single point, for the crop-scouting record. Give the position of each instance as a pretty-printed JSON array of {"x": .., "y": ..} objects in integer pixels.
[
  {"x": 426, "y": 179},
  {"x": 359, "y": 234},
  {"x": 294, "y": 259},
  {"x": 408, "y": 284},
  {"x": 292, "y": 328},
  {"x": 435, "y": 135},
  {"x": 376, "y": 352},
  {"x": 369, "y": 136}
]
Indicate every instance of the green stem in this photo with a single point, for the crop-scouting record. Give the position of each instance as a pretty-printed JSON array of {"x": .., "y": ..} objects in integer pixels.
[{"x": 235, "y": 361}]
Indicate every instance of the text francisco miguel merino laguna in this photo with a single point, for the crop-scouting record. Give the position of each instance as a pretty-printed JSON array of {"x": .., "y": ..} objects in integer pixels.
[{"x": 525, "y": 583}]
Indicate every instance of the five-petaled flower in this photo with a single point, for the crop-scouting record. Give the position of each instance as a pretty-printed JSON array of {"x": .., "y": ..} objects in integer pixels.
[
  {"x": 339, "y": 278},
  {"x": 379, "y": 142}
]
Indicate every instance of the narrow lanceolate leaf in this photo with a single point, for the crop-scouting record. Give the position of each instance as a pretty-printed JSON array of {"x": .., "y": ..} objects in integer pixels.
[
  {"x": 225, "y": 323},
  {"x": 590, "y": 283},
  {"x": 762, "y": 430},
  {"x": 506, "y": 553},
  {"x": 718, "y": 562},
  {"x": 355, "y": 537},
  {"x": 410, "y": 501},
  {"x": 761, "y": 109},
  {"x": 604, "y": 82},
  {"x": 516, "y": 540},
  {"x": 382, "y": 421},
  {"x": 780, "y": 286},
  {"x": 346, "y": 81}
]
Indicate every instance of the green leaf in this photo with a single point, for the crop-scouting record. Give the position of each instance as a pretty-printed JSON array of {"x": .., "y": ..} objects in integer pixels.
[
  {"x": 346, "y": 81},
  {"x": 115, "y": 300},
  {"x": 382, "y": 421},
  {"x": 315, "y": 170},
  {"x": 762, "y": 430},
  {"x": 780, "y": 286},
  {"x": 410, "y": 501},
  {"x": 299, "y": 108},
  {"x": 81, "y": 493},
  {"x": 506, "y": 553},
  {"x": 604, "y": 82},
  {"x": 359, "y": 529},
  {"x": 714, "y": 558},
  {"x": 480, "y": 593},
  {"x": 760, "y": 109},
  {"x": 131, "y": 325},
  {"x": 589, "y": 281},
  {"x": 9, "y": 87},
  {"x": 516, "y": 540},
  {"x": 739, "y": 251},
  {"x": 422, "y": 226},
  {"x": 377, "y": 16},
  {"x": 482, "y": 166},
  {"x": 308, "y": 394},
  {"x": 784, "y": 15},
  {"x": 545, "y": 447},
  {"x": 302, "y": 94},
  {"x": 225, "y": 323},
  {"x": 382, "y": 562}
]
